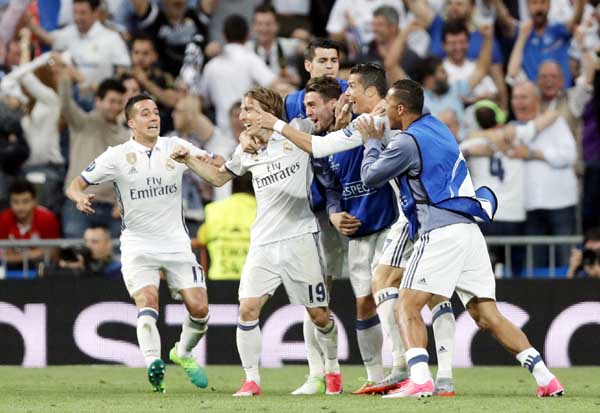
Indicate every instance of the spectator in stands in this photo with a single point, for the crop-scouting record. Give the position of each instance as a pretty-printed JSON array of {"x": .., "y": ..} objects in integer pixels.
[
  {"x": 591, "y": 158},
  {"x": 236, "y": 62},
  {"x": 225, "y": 235},
  {"x": 586, "y": 262},
  {"x": 386, "y": 29},
  {"x": 14, "y": 149},
  {"x": 45, "y": 165},
  {"x": 551, "y": 79},
  {"x": 173, "y": 26},
  {"x": 153, "y": 80},
  {"x": 461, "y": 10},
  {"x": 439, "y": 95},
  {"x": 550, "y": 182},
  {"x": 279, "y": 54},
  {"x": 89, "y": 135},
  {"x": 26, "y": 220},
  {"x": 9, "y": 20},
  {"x": 546, "y": 40},
  {"x": 95, "y": 260},
  {"x": 455, "y": 35},
  {"x": 96, "y": 50}
]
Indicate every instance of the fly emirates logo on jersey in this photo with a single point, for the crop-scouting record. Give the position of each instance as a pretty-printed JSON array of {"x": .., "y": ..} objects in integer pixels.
[
  {"x": 275, "y": 173},
  {"x": 154, "y": 188}
]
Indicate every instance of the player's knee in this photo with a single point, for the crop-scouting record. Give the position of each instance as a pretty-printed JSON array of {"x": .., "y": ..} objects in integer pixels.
[
  {"x": 199, "y": 310},
  {"x": 249, "y": 312},
  {"x": 365, "y": 307},
  {"x": 319, "y": 316},
  {"x": 146, "y": 299}
]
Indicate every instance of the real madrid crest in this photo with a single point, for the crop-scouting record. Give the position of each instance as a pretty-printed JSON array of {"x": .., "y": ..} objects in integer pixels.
[
  {"x": 287, "y": 147},
  {"x": 131, "y": 158},
  {"x": 170, "y": 165}
]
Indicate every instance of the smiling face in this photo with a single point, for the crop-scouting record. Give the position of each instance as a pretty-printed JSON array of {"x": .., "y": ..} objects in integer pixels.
[
  {"x": 456, "y": 46},
  {"x": 357, "y": 96},
  {"x": 145, "y": 120},
  {"x": 318, "y": 110},
  {"x": 248, "y": 116}
]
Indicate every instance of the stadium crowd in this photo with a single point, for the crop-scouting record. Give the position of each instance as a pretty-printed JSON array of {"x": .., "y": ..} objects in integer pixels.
[{"x": 487, "y": 66}]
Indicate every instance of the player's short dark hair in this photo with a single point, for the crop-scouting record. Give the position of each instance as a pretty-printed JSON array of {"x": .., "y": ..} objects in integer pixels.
[
  {"x": 265, "y": 8},
  {"x": 389, "y": 13},
  {"x": 371, "y": 74},
  {"x": 454, "y": 26},
  {"x": 327, "y": 87},
  {"x": 485, "y": 117},
  {"x": 269, "y": 100},
  {"x": 427, "y": 67},
  {"x": 21, "y": 186},
  {"x": 410, "y": 94},
  {"x": 108, "y": 85},
  {"x": 235, "y": 29},
  {"x": 132, "y": 101},
  {"x": 320, "y": 43},
  {"x": 94, "y": 4}
]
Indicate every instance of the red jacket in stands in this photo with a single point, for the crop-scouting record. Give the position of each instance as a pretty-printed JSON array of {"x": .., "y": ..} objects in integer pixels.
[{"x": 44, "y": 225}]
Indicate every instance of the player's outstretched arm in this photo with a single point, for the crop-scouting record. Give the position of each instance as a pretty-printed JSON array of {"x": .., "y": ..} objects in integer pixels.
[
  {"x": 217, "y": 176},
  {"x": 75, "y": 193},
  {"x": 268, "y": 121}
]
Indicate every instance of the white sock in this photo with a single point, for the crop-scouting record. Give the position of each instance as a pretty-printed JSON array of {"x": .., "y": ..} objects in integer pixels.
[
  {"x": 531, "y": 360},
  {"x": 386, "y": 301},
  {"x": 370, "y": 341},
  {"x": 418, "y": 360},
  {"x": 192, "y": 330},
  {"x": 314, "y": 356},
  {"x": 327, "y": 339},
  {"x": 443, "y": 332},
  {"x": 147, "y": 334},
  {"x": 249, "y": 344}
]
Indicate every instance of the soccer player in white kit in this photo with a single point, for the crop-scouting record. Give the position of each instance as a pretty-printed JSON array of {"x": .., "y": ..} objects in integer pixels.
[
  {"x": 154, "y": 238},
  {"x": 284, "y": 244}
]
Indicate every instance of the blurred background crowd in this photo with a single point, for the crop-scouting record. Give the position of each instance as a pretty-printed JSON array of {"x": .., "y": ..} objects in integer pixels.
[{"x": 67, "y": 67}]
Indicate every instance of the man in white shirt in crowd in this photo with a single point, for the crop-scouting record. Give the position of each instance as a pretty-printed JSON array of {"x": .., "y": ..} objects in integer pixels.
[
  {"x": 96, "y": 50},
  {"x": 154, "y": 238},
  {"x": 550, "y": 181},
  {"x": 284, "y": 239},
  {"x": 229, "y": 75},
  {"x": 278, "y": 53}
]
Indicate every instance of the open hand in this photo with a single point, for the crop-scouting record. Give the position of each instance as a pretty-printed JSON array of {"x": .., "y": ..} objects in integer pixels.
[
  {"x": 84, "y": 203},
  {"x": 367, "y": 129}
]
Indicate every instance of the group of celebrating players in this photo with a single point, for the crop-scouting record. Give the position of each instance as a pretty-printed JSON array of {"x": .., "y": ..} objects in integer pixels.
[{"x": 360, "y": 173}]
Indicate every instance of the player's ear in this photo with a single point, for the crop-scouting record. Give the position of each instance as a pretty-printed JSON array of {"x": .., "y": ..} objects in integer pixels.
[
  {"x": 130, "y": 123},
  {"x": 307, "y": 65}
]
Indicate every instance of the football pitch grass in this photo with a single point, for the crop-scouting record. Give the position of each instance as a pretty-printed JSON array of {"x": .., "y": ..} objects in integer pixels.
[{"x": 121, "y": 389}]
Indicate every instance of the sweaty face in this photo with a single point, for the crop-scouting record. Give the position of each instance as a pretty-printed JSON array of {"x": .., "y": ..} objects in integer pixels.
[
  {"x": 459, "y": 9},
  {"x": 356, "y": 94},
  {"x": 319, "y": 111},
  {"x": 539, "y": 11},
  {"x": 550, "y": 80},
  {"x": 143, "y": 54},
  {"x": 325, "y": 63},
  {"x": 455, "y": 46},
  {"x": 145, "y": 119},
  {"x": 265, "y": 27},
  {"x": 110, "y": 106},
  {"x": 83, "y": 16},
  {"x": 249, "y": 116},
  {"x": 22, "y": 205}
]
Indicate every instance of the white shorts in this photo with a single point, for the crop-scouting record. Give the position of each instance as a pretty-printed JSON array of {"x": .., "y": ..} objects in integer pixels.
[
  {"x": 398, "y": 246},
  {"x": 181, "y": 271},
  {"x": 334, "y": 246},
  {"x": 451, "y": 258},
  {"x": 296, "y": 263},
  {"x": 363, "y": 256}
]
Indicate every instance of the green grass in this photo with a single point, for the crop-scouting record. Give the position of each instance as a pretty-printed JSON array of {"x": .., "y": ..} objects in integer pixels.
[{"x": 120, "y": 389}]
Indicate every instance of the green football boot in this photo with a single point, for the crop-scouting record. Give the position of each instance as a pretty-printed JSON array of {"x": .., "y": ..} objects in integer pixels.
[
  {"x": 194, "y": 372},
  {"x": 156, "y": 375}
]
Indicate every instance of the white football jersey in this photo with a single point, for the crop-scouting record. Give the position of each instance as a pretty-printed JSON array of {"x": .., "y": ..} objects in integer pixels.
[
  {"x": 281, "y": 177},
  {"x": 148, "y": 187},
  {"x": 348, "y": 137}
]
